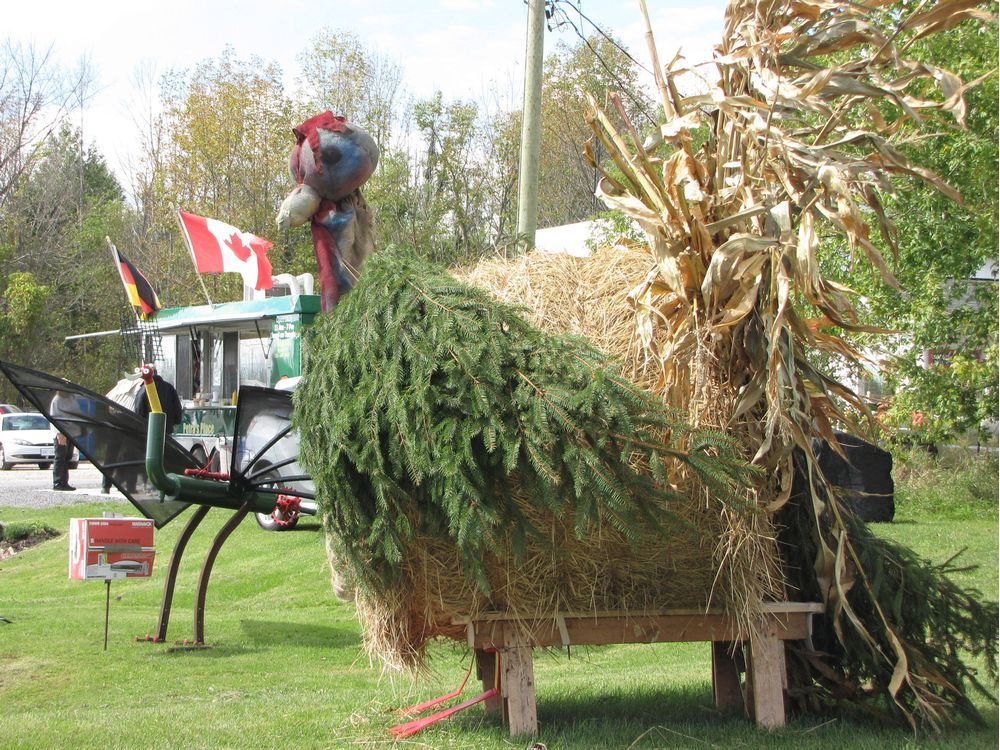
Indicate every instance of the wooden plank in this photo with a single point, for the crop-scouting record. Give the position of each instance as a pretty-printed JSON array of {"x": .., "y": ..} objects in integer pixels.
[
  {"x": 486, "y": 663},
  {"x": 785, "y": 607},
  {"x": 768, "y": 607},
  {"x": 726, "y": 678},
  {"x": 595, "y": 615},
  {"x": 767, "y": 672},
  {"x": 638, "y": 629},
  {"x": 518, "y": 683}
]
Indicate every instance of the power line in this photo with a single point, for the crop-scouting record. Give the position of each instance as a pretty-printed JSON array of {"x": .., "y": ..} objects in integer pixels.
[
  {"x": 558, "y": 18},
  {"x": 578, "y": 9}
]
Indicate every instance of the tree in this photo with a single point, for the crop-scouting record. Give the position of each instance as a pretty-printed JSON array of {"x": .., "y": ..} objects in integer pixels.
[
  {"x": 566, "y": 181},
  {"x": 57, "y": 277},
  {"x": 227, "y": 134},
  {"x": 36, "y": 94},
  {"x": 337, "y": 72},
  {"x": 942, "y": 366}
]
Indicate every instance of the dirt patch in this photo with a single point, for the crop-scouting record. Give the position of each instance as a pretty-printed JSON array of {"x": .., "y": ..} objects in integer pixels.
[
  {"x": 19, "y": 670},
  {"x": 9, "y": 549}
]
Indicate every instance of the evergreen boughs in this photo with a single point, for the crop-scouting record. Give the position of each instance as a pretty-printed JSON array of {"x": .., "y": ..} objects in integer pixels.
[
  {"x": 934, "y": 622},
  {"x": 426, "y": 405}
]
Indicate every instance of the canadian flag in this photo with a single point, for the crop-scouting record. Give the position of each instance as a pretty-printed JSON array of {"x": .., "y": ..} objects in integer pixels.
[{"x": 217, "y": 247}]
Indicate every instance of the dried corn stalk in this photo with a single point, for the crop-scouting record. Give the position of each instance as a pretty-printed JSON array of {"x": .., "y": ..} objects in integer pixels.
[{"x": 805, "y": 109}]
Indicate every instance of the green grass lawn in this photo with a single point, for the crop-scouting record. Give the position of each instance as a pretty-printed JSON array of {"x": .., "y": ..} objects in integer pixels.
[{"x": 287, "y": 670}]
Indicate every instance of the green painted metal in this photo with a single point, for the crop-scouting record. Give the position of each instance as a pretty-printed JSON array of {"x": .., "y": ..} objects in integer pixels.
[
  {"x": 180, "y": 318},
  {"x": 286, "y": 345},
  {"x": 209, "y": 492}
]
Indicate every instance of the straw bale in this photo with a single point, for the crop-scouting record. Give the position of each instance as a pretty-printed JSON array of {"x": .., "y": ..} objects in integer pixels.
[
  {"x": 594, "y": 297},
  {"x": 586, "y": 297},
  {"x": 695, "y": 565},
  {"x": 560, "y": 573}
]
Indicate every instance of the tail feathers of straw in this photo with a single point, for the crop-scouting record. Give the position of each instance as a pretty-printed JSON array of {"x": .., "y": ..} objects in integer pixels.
[{"x": 796, "y": 147}]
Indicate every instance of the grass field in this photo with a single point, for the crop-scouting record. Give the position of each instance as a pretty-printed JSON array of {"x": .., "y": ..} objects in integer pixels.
[{"x": 287, "y": 670}]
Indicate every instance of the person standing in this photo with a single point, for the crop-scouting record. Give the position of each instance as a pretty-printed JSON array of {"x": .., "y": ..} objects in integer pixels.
[
  {"x": 170, "y": 402},
  {"x": 61, "y": 404},
  {"x": 126, "y": 394}
]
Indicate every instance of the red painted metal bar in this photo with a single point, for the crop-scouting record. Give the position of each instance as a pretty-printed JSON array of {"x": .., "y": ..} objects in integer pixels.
[
  {"x": 412, "y": 727},
  {"x": 421, "y": 707},
  {"x": 416, "y": 725}
]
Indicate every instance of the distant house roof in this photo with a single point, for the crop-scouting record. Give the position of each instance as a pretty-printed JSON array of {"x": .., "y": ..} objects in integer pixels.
[
  {"x": 567, "y": 238},
  {"x": 987, "y": 273}
]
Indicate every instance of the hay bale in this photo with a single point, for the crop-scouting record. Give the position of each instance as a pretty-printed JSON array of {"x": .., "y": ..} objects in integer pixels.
[
  {"x": 594, "y": 297},
  {"x": 598, "y": 571},
  {"x": 589, "y": 297}
]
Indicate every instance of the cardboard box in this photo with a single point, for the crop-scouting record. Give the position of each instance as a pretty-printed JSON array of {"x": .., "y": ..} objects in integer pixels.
[{"x": 110, "y": 548}]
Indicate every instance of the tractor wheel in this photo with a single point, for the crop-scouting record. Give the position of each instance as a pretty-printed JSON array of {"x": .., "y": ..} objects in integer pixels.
[{"x": 198, "y": 454}]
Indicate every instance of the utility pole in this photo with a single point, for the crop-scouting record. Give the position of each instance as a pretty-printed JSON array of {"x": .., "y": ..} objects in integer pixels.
[{"x": 531, "y": 126}]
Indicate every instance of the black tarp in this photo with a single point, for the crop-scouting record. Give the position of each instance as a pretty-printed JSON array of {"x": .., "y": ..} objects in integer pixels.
[{"x": 864, "y": 481}]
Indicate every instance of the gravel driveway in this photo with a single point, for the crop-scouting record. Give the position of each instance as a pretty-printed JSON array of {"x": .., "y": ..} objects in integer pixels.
[{"x": 30, "y": 487}]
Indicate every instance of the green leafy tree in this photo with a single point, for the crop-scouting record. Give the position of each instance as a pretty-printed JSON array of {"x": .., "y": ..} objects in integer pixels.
[
  {"x": 226, "y": 141},
  {"x": 566, "y": 181},
  {"x": 58, "y": 275},
  {"x": 941, "y": 368}
]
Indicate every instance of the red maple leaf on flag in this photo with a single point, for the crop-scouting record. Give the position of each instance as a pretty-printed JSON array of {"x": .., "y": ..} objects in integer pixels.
[
  {"x": 257, "y": 247},
  {"x": 235, "y": 243}
]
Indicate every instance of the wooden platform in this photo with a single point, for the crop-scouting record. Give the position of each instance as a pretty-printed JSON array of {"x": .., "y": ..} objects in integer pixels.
[{"x": 762, "y": 696}]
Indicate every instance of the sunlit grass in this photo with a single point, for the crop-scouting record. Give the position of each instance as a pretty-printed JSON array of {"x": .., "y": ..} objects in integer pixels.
[{"x": 286, "y": 668}]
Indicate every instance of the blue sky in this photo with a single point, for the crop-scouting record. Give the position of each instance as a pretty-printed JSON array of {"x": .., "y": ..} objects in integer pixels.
[{"x": 465, "y": 48}]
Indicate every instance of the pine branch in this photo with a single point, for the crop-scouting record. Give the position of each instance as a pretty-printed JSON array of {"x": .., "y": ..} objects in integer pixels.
[{"x": 426, "y": 406}]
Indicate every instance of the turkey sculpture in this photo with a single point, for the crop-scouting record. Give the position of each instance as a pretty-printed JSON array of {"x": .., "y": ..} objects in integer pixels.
[{"x": 329, "y": 163}]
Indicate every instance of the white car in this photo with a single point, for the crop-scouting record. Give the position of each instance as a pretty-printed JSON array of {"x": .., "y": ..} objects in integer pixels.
[{"x": 28, "y": 439}]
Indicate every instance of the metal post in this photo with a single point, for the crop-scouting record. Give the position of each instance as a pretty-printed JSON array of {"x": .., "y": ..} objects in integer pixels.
[
  {"x": 206, "y": 570},
  {"x": 107, "y": 610},
  {"x": 175, "y": 564},
  {"x": 531, "y": 126}
]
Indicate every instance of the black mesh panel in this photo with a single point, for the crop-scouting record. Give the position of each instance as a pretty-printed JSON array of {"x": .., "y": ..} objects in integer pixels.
[
  {"x": 266, "y": 449},
  {"x": 107, "y": 434}
]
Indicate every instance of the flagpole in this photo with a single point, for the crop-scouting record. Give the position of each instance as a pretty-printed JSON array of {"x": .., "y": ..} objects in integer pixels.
[{"x": 194, "y": 262}]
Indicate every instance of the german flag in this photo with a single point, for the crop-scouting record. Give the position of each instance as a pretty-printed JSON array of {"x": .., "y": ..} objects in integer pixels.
[{"x": 139, "y": 291}]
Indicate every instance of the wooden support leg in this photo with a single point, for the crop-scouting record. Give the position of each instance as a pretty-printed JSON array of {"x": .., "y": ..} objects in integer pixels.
[
  {"x": 518, "y": 683},
  {"x": 767, "y": 672},
  {"x": 725, "y": 678},
  {"x": 486, "y": 670}
]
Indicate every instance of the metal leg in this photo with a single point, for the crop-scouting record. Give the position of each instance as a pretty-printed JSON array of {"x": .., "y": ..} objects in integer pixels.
[
  {"x": 206, "y": 570},
  {"x": 175, "y": 564}
]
